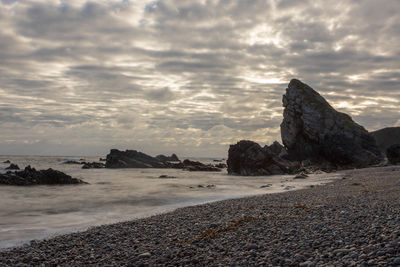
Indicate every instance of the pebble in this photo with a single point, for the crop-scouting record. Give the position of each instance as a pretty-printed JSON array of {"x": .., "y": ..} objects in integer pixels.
[
  {"x": 144, "y": 255},
  {"x": 334, "y": 225}
]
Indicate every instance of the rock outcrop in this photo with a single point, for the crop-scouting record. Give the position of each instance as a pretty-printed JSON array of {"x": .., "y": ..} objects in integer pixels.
[
  {"x": 386, "y": 137},
  {"x": 190, "y": 165},
  {"x": 132, "y": 159},
  {"x": 393, "y": 154},
  {"x": 30, "y": 176},
  {"x": 249, "y": 158},
  {"x": 13, "y": 167},
  {"x": 164, "y": 158},
  {"x": 136, "y": 159},
  {"x": 313, "y": 130},
  {"x": 93, "y": 165}
]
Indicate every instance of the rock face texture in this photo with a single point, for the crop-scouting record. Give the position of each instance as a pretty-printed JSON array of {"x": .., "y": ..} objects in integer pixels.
[
  {"x": 249, "y": 158},
  {"x": 393, "y": 154},
  {"x": 386, "y": 137},
  {"x": 312, "y": 129},
  {"x": 30, "y": 176}
]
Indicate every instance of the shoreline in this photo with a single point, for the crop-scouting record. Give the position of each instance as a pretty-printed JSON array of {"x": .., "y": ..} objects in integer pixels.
[{"x": 339, "y": 222}]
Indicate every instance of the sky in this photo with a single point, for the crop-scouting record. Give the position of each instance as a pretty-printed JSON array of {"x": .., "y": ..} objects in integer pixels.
[{"x": 187, "y": 77}]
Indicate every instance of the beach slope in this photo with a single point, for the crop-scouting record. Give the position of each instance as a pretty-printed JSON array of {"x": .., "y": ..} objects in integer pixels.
[{"x": 352, "y": 221}]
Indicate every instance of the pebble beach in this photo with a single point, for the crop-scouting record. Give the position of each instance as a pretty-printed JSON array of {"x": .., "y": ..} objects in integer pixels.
[{"x": 353, "y": 221}]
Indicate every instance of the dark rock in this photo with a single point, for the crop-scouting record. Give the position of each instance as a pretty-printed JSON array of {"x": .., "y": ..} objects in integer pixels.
[
  {"x": 276, "y": 149},
  {"x": 313, "y": 129},
  {"x": 7, "y": 161},
  {"x": 386, "y": 137},
  {"x": 72, "y": 162},
  {"x": 217, "y": 160},
  {"x": 249, "y": 158},
  {"x": 132, "y": 159},
  {"x": 393, "y": 154},
  {"x": 93, "y": 165},
  {"x": 190, "y": 165},
  {"x": 101, "y": 159},
  {"x": 13, "y": 167},
  {"x": 173, "y": 157},
  {"x": 220, "y": 165},
  {"x": 30, "y": 176},
  {"x": 166, "y": 176}
]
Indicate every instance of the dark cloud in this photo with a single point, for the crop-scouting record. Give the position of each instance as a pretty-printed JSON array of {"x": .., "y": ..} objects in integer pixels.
[{"x": 186, "y": 76}]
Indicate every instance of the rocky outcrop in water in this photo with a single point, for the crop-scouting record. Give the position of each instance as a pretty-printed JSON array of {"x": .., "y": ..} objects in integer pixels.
[
  {"x": 313, "y": 130},
  {"x": 190, "y": 165},
  {"x": 249, "y": 158},
  {"x": 132, "y": 159},
  {"x": 136, "y": 159},
  {"x": 164, "y": 158},
  {"x": 30, "y": 176},
  {"x": 93, "y": 165},
  {"x": 386, "y": 137},
  {"x": 13, "y": 167},
  {"x": 393, "y": 154}
]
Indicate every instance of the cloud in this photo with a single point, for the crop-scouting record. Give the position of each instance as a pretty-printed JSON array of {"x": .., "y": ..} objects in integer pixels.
[{"x": 186, "y": 76}]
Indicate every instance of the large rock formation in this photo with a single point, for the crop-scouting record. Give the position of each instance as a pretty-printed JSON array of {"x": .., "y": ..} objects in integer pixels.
[
  {"x": 386, "y": 137},
  {"x": 313, "y": 129},
  {"x": 393, "y": 154},
  {"x": 249, "y": 158},
  {"x": 30, "y": 176}
]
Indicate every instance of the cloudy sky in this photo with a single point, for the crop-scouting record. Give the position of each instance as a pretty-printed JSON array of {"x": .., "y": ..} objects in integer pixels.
[{"x": 190, "y": 77}]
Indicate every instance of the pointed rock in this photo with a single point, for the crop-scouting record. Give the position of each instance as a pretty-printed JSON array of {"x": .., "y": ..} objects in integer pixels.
[{"x": 313, "y": 129}]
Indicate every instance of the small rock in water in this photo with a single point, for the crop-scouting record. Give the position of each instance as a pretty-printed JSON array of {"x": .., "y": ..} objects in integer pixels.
[
  {"x": 266, "y": 185},
  {"x": 13, "y": 167},
  {"x": 211, "y": 186},
  {"x": 166, "y": 176},
  {"x": 7, "y": 161}
]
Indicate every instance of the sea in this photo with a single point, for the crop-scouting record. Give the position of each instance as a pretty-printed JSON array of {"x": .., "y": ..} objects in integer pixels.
[{"x": 114, "y": 195}]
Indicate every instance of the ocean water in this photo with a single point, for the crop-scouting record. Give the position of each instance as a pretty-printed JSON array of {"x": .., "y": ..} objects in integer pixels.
[{"x": 114, "y": 195}]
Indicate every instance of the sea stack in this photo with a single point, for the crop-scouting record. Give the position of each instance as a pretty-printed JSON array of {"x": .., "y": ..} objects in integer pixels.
[{"x": 312, "y": 129}]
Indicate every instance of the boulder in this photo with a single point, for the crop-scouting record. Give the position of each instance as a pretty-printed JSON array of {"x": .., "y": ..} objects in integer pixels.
[
  {"x": 249, "y": 158},
  {"x": 93, "y": 165},
  {"x": 30, "y": 176},
  {"x": 7, "y": 161},
  {"x": 312, "y": 129},
  {"x": 164, "y": 158},
  {"x": 393, "y": 154},
  {"x": 386, "y": 137},
  {"x": 132, "y": 159},
  {"x": 13, "y": 167}
]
